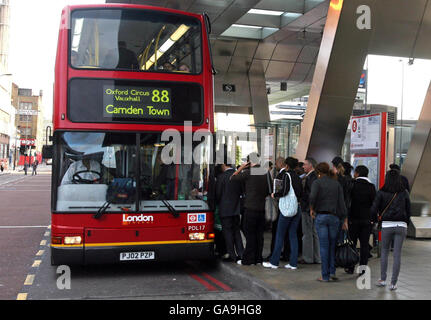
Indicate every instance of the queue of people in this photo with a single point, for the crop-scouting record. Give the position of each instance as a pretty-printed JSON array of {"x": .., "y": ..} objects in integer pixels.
[{"x": 324, "y": 202}]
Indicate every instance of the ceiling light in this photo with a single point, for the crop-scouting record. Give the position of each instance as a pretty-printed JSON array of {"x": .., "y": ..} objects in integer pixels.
[
  {"x": 182, "y": 29},
  {"x": 266, "y": 12},
  {"x": 179, "y": 32},
  {"x": 165, "y": 47}
]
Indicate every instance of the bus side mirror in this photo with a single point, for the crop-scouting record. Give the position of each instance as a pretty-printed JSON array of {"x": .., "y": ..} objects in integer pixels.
[{"x": 47, "y": 151}]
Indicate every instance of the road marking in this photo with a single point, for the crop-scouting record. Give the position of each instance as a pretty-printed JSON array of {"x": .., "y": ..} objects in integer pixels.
[
  {"x": 21, "y": 296},
  {"x": 29, "y": 280},
  {"x": 36, "y": 263},
  {"x": 3, "y": 190},
  {"x": 19, "y": 227},
  {"x": 47, "y": 234},
  {"x": 210, "y": 279},
  {"x": 203, "y": 282},
  {"x": 12, "y": 181},
  {"x": 217, "y": 282}
]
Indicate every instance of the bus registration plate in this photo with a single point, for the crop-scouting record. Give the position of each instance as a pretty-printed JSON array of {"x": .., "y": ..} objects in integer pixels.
[{"x": 143, "y": 255}]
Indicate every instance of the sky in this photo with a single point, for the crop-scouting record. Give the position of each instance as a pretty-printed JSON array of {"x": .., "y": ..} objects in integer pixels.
[
  {"x": 34, "y": 26},
  {"x": 387, "y": 85},
  {"x": 34, "y": 29}
]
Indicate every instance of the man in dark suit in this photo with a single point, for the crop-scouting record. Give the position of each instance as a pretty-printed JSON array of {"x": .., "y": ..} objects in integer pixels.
[
  {"x": 310, "y": 240},
  {"x": 228, "y": 194},
  {"x": 255, "y": 181}
]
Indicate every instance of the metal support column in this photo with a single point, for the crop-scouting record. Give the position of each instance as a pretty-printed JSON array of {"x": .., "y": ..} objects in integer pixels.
[
  {"x": 335, "y": 83},
  {"x": 418, "y": 171}
]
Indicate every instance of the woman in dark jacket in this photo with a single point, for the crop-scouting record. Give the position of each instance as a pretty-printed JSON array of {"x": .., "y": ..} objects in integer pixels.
[
  {"x": 328, "y": 209},
  {"x": 360, "y": 218},
  {"x": 392, "y": 204},
  {"x": 287, "y": 224}
]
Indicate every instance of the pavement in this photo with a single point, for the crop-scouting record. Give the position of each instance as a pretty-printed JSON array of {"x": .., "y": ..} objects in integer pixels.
[
  {"x": 414, "y": 280},
  {"x": 24, "y": 223}
]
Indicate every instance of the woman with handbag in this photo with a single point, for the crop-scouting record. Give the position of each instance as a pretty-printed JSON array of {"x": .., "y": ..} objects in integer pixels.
[
  {"x": 289, "y": 216},
  {"x": 327, "y": 207},
  {"x": 392, "y": 204}
]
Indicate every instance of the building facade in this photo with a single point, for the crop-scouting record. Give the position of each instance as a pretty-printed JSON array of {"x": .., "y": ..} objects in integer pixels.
[
  {"x": 30, "y": 122},
  {"x": 7, "y": 111}
]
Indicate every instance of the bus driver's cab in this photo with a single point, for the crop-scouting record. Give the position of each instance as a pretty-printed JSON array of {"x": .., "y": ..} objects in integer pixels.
[{"x": 95, "y": 169}]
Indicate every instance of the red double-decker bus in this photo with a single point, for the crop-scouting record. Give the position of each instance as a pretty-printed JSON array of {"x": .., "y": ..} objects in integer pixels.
[{"x": 124, "y": 74}]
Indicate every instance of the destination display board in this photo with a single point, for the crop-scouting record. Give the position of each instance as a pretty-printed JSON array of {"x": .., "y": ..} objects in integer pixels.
[
  {"x": 137, "y": 102},
  {"x": 134, "y": 101}
]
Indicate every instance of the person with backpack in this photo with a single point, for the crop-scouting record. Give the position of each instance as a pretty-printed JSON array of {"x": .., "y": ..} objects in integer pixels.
[
  {"x": 287, "y": 223},
  {"x": 392, "y": 205}
]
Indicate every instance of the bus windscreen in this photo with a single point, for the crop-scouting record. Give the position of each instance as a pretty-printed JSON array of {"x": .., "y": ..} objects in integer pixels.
[{"x": 127, "y": 170}]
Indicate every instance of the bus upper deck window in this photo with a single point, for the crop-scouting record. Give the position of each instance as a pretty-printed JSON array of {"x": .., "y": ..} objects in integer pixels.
[{"x": 138, "y": 40}]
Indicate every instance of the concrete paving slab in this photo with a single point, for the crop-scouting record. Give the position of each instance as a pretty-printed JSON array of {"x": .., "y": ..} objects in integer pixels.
[{"x": 301, "y": 284}]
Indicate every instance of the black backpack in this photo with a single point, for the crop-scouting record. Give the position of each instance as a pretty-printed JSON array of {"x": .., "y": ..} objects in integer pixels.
[{"x": 120, "y": 191}]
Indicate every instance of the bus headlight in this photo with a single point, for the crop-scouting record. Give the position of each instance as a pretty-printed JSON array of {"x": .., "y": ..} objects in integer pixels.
[
  {"x": 197, "y": 236},
  {"x": 73, "y": 240}
]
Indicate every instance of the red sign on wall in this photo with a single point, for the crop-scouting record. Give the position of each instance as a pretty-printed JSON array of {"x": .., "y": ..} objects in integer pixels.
[
  {"x": 354, "y": 126},
  {"x": 28, "y": 142}
]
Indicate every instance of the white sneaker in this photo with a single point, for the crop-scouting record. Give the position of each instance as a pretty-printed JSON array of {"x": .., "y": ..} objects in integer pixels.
[
  {"x": 239, "y": 262},
  {"x": 393, "y": 287},
  {"x": 381, "y": 283},
  {"x": 288, "y": 266},
  {"x": 269, "y": 265}
]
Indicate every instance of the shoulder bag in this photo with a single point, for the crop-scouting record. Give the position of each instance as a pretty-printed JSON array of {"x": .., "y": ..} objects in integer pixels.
[
  {"x": 380, "y": 217},
  {"x": 346, "y": 254},
  {"x": 289, "y": 203}
]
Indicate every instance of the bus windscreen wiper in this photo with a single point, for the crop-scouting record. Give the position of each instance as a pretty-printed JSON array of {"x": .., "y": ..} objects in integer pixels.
[
  {"x": 102, "y": 210},
  {"x": 171, "y": 209}
]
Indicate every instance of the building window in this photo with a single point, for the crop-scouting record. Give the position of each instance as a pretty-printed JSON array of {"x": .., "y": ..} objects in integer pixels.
[
  {"x": 25, "y": 132},
  {"x": 26, "y": 105},
  {"x": 24, "y": 117},
  {"x": 25, "y": 92}
]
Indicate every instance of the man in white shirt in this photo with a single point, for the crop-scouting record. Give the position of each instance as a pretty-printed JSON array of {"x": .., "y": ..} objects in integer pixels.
[{"x": 84, "y": 166}]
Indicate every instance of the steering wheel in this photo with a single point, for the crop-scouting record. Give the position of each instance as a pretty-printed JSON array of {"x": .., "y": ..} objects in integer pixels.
[{"x": 76, "y": 178}]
